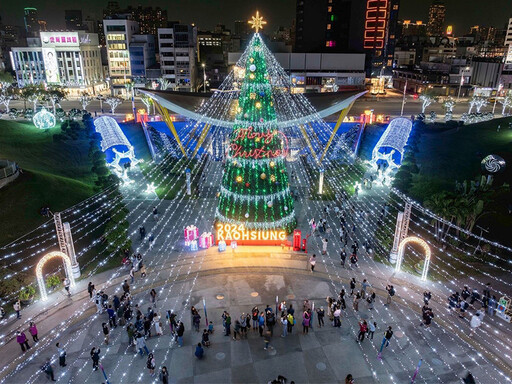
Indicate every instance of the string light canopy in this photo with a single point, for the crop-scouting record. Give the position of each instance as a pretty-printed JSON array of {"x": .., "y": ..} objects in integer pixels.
[{"x": 257, "y": 22}]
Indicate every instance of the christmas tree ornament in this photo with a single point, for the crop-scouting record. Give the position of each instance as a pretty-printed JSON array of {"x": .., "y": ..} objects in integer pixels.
[
  {"x": 239, "y": 179},
  {"x": 252, "y": 67},
  {"x": 263, "y": 176}
]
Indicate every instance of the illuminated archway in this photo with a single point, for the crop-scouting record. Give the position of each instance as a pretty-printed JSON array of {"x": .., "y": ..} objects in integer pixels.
[
  {"x": 39, "y": 271},
  {"x": 426, "y": 249}
]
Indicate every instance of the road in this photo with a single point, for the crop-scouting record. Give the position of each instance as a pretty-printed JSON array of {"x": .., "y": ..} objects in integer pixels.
[{"x": 386, "y": 105}]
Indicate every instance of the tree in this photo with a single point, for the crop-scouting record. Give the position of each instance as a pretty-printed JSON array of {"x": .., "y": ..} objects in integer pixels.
[
  {"x": 114, "y": 102},
  {"x": 478, "y": 102},
  {"x": 148, "y": 102},
  {"x": 164, "y": 83},
  {"x": 448, "y": 104},
  {"x": 5, "y": 97},
  {"x": 54, "y": 95},
  {"x": 427, "y": 99},
  {"x": 506, "y": 102},
  {"x": 85, "y": 100},
  {"x": 255, "y": 190},
  {"x": 6, "y": 80}
]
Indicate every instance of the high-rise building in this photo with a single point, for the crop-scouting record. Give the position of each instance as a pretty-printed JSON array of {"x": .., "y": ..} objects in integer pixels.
[
  {"x": 329, "y": 26},
  {"x": 149, "y": 19},
  {"x": 436, "y": 17},
  {"x": 73, "y": 20},
  {"x": 142, "y": 57},
  {"x": 508, "y": 42},
  {"x": 118, "y": 35},
  {"x": 380, "y": 34},
  {"x": 178, "y": 56},
  {"x": 31, "y": 21}
]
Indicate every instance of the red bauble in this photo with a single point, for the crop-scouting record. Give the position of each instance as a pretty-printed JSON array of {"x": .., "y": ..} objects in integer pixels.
[{"x": 247, "y": 185}]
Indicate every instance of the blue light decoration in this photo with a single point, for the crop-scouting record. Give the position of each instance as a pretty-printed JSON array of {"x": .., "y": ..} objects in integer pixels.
[
  {"x": 44, "y": 119},
  {"x": 115, "y": 145},
  {"x": 390, "y": 147}
]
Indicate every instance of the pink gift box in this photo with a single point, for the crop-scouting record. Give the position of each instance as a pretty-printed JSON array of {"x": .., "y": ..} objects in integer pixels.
[
  {"x": 206, "y": 240},
  {"x": 191, "y": 233}
]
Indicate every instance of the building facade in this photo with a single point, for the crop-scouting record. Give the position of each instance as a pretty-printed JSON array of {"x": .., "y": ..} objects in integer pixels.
[
  {"x": 31, "y": 21},
  {"x": 142, "y": 57},
  {"x": 68, "y": 59},
  {"x": 73, "y": 19},
  {"x": 178, "y": 56}
]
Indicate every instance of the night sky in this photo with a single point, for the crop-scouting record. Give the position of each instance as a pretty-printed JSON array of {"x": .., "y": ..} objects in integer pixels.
[{"x": 207, "y": 13}]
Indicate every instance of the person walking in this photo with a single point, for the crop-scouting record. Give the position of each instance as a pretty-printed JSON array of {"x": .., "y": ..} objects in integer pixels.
[
  {"x": 67, "y": 284},
  {"x": 155, "y": 214},
  {"x": 355, "y": 302},
  {"x": 151, "y": 364},
  {"x": 364, "y": 285},
  {"x": 475, "y": 322},
  {"x": 312, "y": 262},
  {"x": 337, "y": 317},
  {"x": 95, "y": 356},
  {"x": 363, "y": 327},
  {"x": 152, "y": 295},
  {"x": 205, "y": 339},
  {"x": 130, "y": 330},
  {"x": 158, "y": 324},
  {"x": 320, "y": 314},
  {"x": 21, "y": 338},
  {"x": 48, "y": 369},
  {"x": 180, "y": 331},
  {"x": 343, "y": 257},
  {"x": 261, "y": 323},
  {"x": 140, "y": 343},
  {"x": 62, "y": 355},
  {"x": 371, "y": 329},
  {"x": 106, "y": 332},
  {"x": 385, "y": 340},
  {"x": 236, "y": 329},
  {"x": 111, "y": 317},
  {"x": 196, "y": 320},
  {"x": 33, "y": 331},
  {"x": 17, "y": 309},
  {"x": 352, "y": 286},
  {"x": 164, "y": 375},
  {"x": 267, "y": 338},
  {"x": 324, "y": 246}
]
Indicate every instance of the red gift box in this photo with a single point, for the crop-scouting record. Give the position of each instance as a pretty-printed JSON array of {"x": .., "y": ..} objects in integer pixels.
[
  {"x": 206, "y": 240},
  {"x": 191, "y": 233}
]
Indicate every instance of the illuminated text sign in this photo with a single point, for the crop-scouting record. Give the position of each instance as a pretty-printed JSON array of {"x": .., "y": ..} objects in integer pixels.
[{"x": 238, "y": 233}]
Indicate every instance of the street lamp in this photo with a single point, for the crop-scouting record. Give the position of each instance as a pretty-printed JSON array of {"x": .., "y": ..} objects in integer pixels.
[{"x": 204, "y": 76}]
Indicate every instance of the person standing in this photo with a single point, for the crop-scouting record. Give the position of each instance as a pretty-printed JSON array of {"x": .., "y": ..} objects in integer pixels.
[
  {"x": 475, "y": 322},
  {"x": 227, "y": 321},
  {"x": 349, "y": 379},
  {"x": 48, "y": 369},
  {"x": 152, "y": 295},
  {"x": 284, "y": 324},
  {"x": 95, "y": 356},
  {"x": 261, "y": 323},
  {"x": 17, "y": 309},
  {"x": 155, "y": 214},
  {"x": 111, "y": 317},
  {"x": 290, "y": 321},
  {"x": 255, "y": 316},
  {"x": 305, "y": 322},
  {"x": 164, "y": 375},
  {"x": 236, "y": 329},
  {"x": 371, "y": 329},
  {"x": 324, "y": 246},
  {"x": 90, "y": 287},
  {"x": 67, "y": 284},
  {"x": 199, "y": 351},
  {"x": 320, "y": 314},
  {"x": 364, "y": 285},
  {"x": 391, "y": 292},
  {"x": 62, "y": 355},
  {"x": 363, "y": 327},
  {"x": 343, "y": 257},
  {"x": 126, "y": 287},
  {"x": 352, "y": 286},
  {"x": 158, "y": 324},
  {"x": 180, "y": 331},
  {"x": 266, "y": 338},
  {"x": 312, "y": 262},
  {"x": 33, "y": 331},
  {"x": 355, "y": 302},
  {"x": 21, "y": 338},
  {"x": 151, "y": 364}
]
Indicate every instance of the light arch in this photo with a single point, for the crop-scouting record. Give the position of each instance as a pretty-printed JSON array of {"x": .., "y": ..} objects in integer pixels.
[
  {"x": 426, "y": 249},
  {"x": 39, "y": 271}
]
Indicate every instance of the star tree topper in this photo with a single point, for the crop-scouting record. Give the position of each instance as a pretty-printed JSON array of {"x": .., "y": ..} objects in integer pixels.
[{"x": 257, "y": 22}]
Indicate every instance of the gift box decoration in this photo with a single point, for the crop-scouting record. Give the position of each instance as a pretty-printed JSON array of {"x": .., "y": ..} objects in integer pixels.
[
  {"x": 222, "y": 246},
  {"x": 193, "y": 245},
  {"x": 191, "y": 233},
  {"x": 206, "y": 240}
]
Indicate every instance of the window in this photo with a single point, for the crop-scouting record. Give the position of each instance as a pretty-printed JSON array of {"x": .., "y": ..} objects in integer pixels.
[
  {"x": 328, "y": 26},
  {"x": 116, "y": 36},
  {"x": 115, "y": 28},
  {"x": 395, "y": 7},
  {"x": 329, "y": 9}
]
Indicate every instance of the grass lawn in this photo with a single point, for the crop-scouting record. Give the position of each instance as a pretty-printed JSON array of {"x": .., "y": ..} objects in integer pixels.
[{"x": 55, "y": 174}]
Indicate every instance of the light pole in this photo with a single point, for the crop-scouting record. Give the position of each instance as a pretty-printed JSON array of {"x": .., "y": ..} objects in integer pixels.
[
  {"x": 403, "y": 99},
  {"x": 204, "y": 76}
]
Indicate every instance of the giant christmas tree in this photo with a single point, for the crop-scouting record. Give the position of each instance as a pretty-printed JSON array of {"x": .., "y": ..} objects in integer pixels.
[{"x": 255, "y": 189}]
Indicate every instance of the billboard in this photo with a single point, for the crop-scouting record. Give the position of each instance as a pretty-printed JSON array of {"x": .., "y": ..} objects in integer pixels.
[
  {"x": 59, "y": 39},
  {"x": 51, "y": 66}
]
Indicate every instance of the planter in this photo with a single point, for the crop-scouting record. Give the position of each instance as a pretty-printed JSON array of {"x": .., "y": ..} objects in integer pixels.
[{"x": 27, "y": 302}]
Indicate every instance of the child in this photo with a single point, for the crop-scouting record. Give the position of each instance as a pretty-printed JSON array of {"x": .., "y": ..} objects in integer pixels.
[{"x": 210, "y": 327}]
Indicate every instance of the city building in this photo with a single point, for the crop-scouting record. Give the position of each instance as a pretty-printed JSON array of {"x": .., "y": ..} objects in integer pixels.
[
  {"x": 404, "y": 58},
  {"x": 333, "y": 26},
  {"x": 380, "y": 34},
  {"x": 68, "y": 59},
  {"x": 142, "y": 57},
  {"x": 31, "y": 21},
  {"x": 320, "y": 72},
  {"x": 149, "y": 19},
  {"x": 436, "y": 18},
  {"x": 73, "y": 19},
  {"x": 508, "y": 42},
  {"x": 118, "y": 35},
  {"x": 10, "y": 36},
  {"x": 177, "y": 47},
  {"x": 409, "y": 28}
]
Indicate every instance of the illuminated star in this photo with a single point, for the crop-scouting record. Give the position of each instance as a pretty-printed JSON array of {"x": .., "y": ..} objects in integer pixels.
[
  {"x": 257, "y": 22},
  {"x": 151, "y": 188}
]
